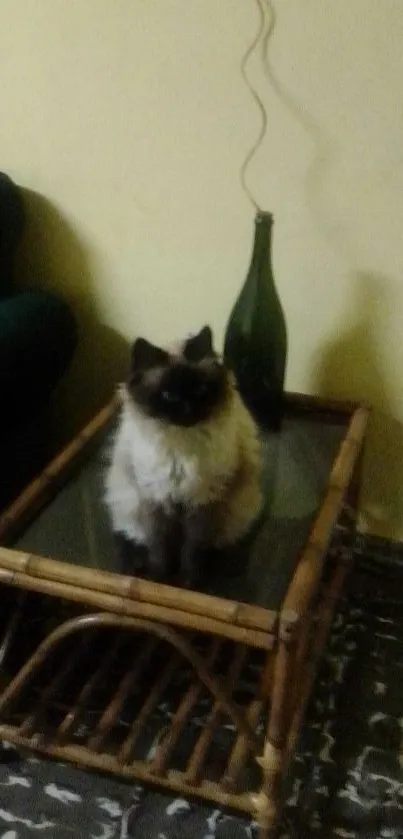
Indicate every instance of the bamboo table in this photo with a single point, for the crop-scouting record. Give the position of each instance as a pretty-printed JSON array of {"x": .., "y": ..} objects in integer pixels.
[{"x": 142, "y": 679}]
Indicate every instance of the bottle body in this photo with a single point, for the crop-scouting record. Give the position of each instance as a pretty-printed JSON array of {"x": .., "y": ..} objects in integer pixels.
[{"x": 255, "y": 345}]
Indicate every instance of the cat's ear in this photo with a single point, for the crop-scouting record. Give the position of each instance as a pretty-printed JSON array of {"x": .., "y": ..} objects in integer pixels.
[
  {"x": 199, "y": 346},
  {"x": 144, "y": 356}
]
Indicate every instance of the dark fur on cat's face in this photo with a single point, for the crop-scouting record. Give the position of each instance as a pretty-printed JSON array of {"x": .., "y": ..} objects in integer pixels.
[{"x": 180, "y": 389}]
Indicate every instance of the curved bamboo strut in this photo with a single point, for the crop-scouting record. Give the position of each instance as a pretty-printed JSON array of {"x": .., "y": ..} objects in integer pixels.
[{"x": 163, "y": 632}]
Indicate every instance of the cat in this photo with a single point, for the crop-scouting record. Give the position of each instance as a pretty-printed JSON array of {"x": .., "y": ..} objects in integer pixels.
[{"x": 184, "y": 473}]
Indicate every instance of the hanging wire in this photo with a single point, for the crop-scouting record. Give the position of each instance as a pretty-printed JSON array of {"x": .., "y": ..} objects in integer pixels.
[
  {"x": 271, "y": 14},
  {"x": 265, "y": 29}
]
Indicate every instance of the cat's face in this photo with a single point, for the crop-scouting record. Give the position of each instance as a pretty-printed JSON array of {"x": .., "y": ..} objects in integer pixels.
[{"x": 182, "y": 388}]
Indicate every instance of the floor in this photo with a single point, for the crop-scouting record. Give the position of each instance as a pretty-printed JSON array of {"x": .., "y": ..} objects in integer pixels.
[{"x": 346, "y": 779}]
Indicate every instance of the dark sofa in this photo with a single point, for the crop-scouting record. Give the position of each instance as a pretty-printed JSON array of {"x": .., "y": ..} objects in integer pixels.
[{"x": 38, "y": 336}]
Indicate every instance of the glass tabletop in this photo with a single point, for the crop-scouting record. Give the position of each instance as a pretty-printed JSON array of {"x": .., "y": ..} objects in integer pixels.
[{"x": 74, "y": 527}]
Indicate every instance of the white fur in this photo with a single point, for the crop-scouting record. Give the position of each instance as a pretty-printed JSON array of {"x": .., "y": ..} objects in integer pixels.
[{"x": 163, "y": 464}]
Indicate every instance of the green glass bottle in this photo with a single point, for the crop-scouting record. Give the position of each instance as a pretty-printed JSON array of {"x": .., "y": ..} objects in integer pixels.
[{"x": 255, "y": 345}]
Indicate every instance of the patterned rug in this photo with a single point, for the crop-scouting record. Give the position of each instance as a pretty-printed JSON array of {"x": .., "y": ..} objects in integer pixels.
[{"x": 346, "y": 779}]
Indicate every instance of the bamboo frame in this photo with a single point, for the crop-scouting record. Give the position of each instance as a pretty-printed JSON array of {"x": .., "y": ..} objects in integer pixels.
[
  {"x": 291, "y": 649},
  {"x": 298, "y": 661}
]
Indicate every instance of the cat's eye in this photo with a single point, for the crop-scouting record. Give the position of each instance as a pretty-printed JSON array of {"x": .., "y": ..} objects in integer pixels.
[
  {"x": 202, "y": 389},
  {"x": 168, "y": 396}
]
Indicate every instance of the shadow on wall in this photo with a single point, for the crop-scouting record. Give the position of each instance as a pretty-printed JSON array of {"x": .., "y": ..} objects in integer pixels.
[
  {"x": 53, "y": 257},
  {"x": 351, "y": 366}
]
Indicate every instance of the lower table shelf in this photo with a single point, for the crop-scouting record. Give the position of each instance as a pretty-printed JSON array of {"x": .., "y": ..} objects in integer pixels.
[
  {"x": 195, "y": 713},
  {"x": 117, "y": 699}
]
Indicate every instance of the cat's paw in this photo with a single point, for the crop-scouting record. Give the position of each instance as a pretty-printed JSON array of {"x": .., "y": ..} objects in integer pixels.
[
  {"x": 158, "y": 567},
  {"x": 190, "y": 577},
  {"x": 188, "y": 583},
  {"x": 129, "y": 557}
]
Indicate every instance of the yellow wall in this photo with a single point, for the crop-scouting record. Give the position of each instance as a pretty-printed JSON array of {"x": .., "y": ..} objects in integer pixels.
[{"x": 127, "y": 121}]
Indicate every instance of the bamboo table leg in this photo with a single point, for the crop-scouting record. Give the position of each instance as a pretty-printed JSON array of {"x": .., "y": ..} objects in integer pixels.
[
  {"x": 294, "y": 663},
  {"x": 279, "y": 717}
]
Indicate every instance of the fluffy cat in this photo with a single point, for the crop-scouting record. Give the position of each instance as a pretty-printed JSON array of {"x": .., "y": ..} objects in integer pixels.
[{"x": 184, "y": 474}]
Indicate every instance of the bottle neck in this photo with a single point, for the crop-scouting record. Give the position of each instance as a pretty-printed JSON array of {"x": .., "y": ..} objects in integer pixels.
[{"x": 261, "y": 254}]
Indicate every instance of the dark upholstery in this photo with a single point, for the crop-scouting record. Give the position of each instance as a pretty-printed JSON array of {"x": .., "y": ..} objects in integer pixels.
[{"x": 38, "y": 336}]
